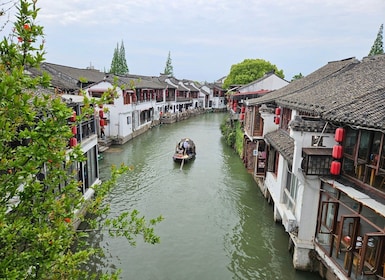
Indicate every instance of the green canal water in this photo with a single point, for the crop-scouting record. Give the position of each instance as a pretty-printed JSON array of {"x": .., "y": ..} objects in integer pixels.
[{"x": 217, "y": 225}]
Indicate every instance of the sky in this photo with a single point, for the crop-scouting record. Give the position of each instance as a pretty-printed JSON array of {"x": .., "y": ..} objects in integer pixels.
[{"x": 206, "y": 37}]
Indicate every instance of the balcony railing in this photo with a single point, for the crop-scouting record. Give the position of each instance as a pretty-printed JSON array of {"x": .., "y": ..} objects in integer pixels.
[{"x": 85, "y": 130}]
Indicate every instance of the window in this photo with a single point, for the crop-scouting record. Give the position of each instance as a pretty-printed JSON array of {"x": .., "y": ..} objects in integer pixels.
[
  {"x": 350, "y": 141},
  {"x": 273, "y": 160},
  {"x": 381, "y": 157},
  {"x": 317, "y": 141},
  {"x": 92, "y": 165},
  {"x": 286, "y": 117},
  {"x": 291, "y": 190},
  {"x": 327, "y": 222},
  {"x": 88, "y": 170},
  {"x": 350, "y": 233},
  {"x": 129, "y": 120},
  {"x": 363, "y": 147},
  {"x": 258, "y": 123},
  {"x": 96, "y": 94},
  {"x": 126, "y": 97},
  {"x": 349, "y": 168},
  {"x": 364, "y": 157},
  {"x": 316, "y": 161}
]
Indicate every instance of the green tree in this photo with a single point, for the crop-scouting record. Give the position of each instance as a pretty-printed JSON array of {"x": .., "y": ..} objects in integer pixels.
[
  {"x": 37, "y": 237},
  {"x": 378, "y": 47},
  {"x": 250, "y": 70},
  {"x": 169, "y": 69},
  {"x": 122, "y": 60},
  {"x": 119, "y": 63},
  {"x": 297, "y": 77},
  {"x": 115, "y": 61}
]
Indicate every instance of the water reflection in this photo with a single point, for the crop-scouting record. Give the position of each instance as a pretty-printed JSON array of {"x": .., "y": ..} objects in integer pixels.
[{"x": 217, "y": 224}]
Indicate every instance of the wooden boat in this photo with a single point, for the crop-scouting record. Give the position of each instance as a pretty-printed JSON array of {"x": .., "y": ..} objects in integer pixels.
[{"x": 185, "y": 150}]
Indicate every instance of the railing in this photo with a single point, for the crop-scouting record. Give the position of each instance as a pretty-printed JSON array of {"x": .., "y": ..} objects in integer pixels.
[
  {"x": 88, "y": 128},
  {"x": 85, "y": 130},
  {"x": 183, "y": 99}
]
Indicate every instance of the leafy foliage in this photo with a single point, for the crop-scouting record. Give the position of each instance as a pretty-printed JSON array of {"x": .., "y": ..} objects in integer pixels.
[
  {"x": 169, "y": 69},
  {"x": 39, "y": 196},
  {"x": 239, "y": 134},
  {"x": 297, "y": 77},
  {"x": 248, "y": 71},
  {"x": 228, "y": 131},
  {"x": 233, "y": 134},
  {"x": 378, "y": 47},
  {"x": 119, "y": 63}
]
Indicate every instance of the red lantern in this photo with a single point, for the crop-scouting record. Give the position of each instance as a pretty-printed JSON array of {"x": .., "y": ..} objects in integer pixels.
[
  {"x": 277, "y": 120},
  {"x": 243, "y": 109},
  {"x": 74, "y": 130},
  {"x": 242, "y": 116},
  {"x": 278, "y": 111},
  {"x": 337, "y": 151},
  {"x": 73, "y": 117},
  {"x": 73, "y": 142},
  {"x": 340, "y": 134},
  {"x": 102, "y": 122},
  {"x": 335, "y": 168},
  {"x": 101, "y": 114}
]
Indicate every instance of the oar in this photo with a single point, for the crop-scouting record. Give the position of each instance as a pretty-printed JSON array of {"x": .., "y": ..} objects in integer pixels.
[{"x": 181, "y": 165}]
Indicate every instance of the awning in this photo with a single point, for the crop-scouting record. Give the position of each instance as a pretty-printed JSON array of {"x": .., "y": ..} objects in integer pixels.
[{"x": 358, "y": 196}]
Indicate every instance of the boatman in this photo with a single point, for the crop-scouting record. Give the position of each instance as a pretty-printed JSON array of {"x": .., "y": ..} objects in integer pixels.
[{"x": 185, "y": 146}]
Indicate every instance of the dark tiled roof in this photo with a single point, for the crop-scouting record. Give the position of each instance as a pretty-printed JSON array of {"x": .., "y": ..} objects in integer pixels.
[
  {"x": 189, "y": 86},
  {"x": 56, "y": 81},
  {"x": 215, "y": 85},
  {"x": 345, "y": 93},
  {"x": 308, "y": 81},
  {"x": 142, "y": 82},
  {"x": 68, "y": 78},
  {"x": 282, "y": 142},
  {"x": 367, "y": 111},
  {"x": 310, "y": 124}
]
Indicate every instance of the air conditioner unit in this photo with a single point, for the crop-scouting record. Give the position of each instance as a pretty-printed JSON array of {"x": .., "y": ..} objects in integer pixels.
[{"x": 288, "y": 220}]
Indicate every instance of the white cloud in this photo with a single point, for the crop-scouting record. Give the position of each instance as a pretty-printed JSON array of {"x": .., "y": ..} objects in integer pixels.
[{"x": 216, "y": 32}]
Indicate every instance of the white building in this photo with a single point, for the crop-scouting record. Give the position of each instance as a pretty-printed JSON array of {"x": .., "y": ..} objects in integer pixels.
[{"x": 138, "y": 102}]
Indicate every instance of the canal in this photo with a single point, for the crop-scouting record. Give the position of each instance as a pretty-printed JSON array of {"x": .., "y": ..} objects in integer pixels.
[{"x": 217, "y": 225}]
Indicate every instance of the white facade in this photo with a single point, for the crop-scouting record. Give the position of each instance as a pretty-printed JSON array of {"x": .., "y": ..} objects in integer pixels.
[
  {"x": 88, "y": 171},
  {"x": 197, "y": 102},
  {"x": 267, "y": 82},
  {"x": 204, "y": 96},
  {"x": 219, "y": 103},
  {"x": 299, "y": 217},
  {"x": 123, "y": 120}
]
